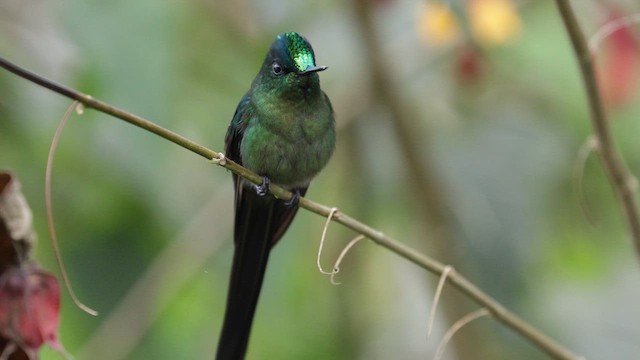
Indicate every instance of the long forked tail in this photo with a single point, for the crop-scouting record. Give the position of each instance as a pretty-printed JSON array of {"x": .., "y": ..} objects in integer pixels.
[{"x": 259, "y": 223}]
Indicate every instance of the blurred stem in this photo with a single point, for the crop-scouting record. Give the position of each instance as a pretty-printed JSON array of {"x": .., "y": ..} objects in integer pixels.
[
  {"x": 498, "y": 312},
  {"x": 355, "y": 187},
  {"x": 623, "y": 183},
  {"x": 424, "y": 181}
]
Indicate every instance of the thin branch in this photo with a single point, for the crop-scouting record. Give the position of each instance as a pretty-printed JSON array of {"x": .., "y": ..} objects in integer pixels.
[
  {"x": 138, "y": 121},
  {"x": 509, "y": 319},
  {"x": 622, "y": 181}
]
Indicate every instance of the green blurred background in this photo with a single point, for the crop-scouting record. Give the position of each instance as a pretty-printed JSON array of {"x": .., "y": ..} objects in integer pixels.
[{"x": 496, "y": 125}]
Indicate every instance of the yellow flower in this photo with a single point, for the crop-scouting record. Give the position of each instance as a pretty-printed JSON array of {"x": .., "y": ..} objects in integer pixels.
[
  {"x": 494, "y": 21},
  {"x": 437, "y": 24}
]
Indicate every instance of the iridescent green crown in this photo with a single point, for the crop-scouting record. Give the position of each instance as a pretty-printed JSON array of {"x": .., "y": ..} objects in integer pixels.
[{"x": 300, "y": 51}]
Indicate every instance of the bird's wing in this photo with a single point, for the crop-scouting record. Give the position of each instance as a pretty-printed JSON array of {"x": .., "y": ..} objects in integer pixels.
[{"x": 235, "y": 132}]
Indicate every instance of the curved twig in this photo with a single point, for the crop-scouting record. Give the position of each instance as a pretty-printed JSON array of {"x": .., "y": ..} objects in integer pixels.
[
  {"x": 336, "y": 266},
  {"x": 590, "y": 145},
  {"x": 49, "y": 207},
  {"x": 436, "y": 298},
  {"x": 457, "y": 326},
  {"x": 324, "y": 234}
]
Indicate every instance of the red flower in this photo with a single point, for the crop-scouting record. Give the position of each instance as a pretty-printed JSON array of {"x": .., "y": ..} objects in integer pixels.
[{"x": 469, "y": 64}]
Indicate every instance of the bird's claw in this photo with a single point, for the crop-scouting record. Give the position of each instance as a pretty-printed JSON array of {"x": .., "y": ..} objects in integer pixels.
[
  {"x": 263, "y": 189},
  {"x": 295, "y": 199}
]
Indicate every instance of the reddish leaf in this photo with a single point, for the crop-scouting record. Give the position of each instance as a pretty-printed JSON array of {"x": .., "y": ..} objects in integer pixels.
[
  {"x": 29, "y": 308},
  {"x": 618, "y": 71}
]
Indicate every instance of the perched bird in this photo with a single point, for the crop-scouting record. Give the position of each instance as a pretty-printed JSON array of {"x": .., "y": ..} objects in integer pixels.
[{"x": 283, "y": 129}]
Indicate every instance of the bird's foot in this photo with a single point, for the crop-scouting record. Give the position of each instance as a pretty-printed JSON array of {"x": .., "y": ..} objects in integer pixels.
[
  {"x": 221, "y": 160},
  {"x": 295, "y": 199},
  {"x": 263, "y": 189}
]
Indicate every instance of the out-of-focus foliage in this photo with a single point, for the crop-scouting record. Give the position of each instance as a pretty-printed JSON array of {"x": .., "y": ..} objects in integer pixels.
[{"x": 145, "y": 226}]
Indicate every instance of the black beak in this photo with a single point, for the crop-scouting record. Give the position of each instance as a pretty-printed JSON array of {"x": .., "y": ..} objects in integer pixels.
[{"x": 312, "y": 70}]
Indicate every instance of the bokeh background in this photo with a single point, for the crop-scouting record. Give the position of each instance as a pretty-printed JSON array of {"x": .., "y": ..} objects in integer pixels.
[{"x": 461, "y": 125}]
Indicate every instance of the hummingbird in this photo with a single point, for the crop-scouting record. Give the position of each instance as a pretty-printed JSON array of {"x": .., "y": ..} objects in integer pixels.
[{"x": 283, "y": 129}]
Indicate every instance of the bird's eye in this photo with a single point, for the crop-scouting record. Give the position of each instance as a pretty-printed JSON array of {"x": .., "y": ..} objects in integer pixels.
[{"x": 276, "y": 68}]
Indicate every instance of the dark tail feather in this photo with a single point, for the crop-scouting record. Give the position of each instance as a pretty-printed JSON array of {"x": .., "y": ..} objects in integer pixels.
[{"x": 253, "y": 240}]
